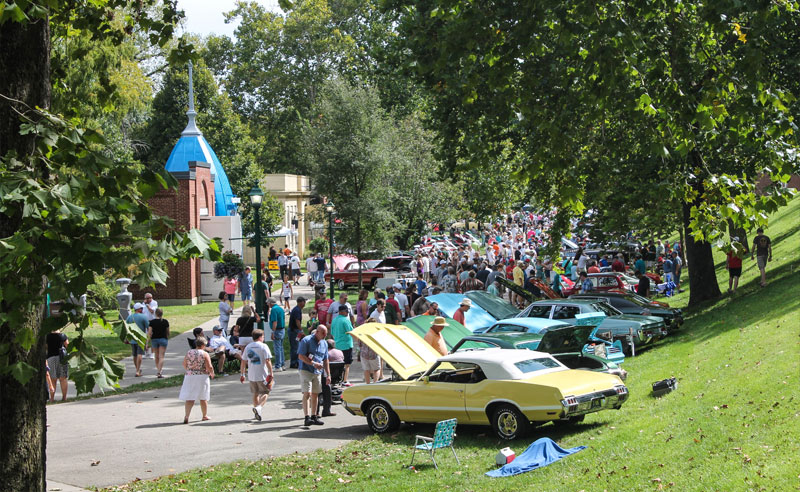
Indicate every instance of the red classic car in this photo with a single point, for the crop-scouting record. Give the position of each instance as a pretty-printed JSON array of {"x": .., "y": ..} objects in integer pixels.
[
  {"x": 371, "y": 270},
  {"x": 601, "y": 282}
]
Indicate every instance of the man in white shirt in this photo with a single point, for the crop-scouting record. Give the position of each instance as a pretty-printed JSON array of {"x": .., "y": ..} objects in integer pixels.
[
  {"x": 333, "y": 309},
  {"x": 311, "y": 269},
  {"x": 220, "y": 346},
  {"x": 258, "y": 363},
  {"x": 150, "y": 306},
  {"x": 402, "y": 300},
  {"x": 295, "y": 263}
]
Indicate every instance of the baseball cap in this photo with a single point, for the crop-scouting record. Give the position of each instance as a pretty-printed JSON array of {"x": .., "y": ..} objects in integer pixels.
[
  {"x": 343, "y": 307},
  {"x": 217, "y": 328},
  {"x": 138, "y": 306}
]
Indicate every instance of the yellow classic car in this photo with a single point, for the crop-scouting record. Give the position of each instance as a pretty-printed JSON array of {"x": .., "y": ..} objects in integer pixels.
[{"x": 511, "y": 390}]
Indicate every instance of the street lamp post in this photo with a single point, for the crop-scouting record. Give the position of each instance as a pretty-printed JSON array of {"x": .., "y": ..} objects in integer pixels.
[
  {"x": 256, "y": 196},
  {"x": 330, "y": 209}
]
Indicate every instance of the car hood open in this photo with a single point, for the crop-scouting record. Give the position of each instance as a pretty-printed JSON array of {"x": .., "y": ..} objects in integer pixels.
[
  {"x": 452, "y": 333},
  {"x": 402, "y": 349},
  {"x": 568, "y": 339}
]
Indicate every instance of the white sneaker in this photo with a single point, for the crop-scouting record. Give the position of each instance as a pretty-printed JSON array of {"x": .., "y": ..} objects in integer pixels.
[
  {"x": 257, "y": 413},
  {"x": 149, "y": 356}
]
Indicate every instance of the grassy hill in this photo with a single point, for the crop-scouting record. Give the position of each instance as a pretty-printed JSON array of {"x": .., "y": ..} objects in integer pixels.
[{"x": 732, "y": 424}]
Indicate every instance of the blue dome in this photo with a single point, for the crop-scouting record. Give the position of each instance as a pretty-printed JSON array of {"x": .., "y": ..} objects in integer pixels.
[{"x": 196, "y": 148}]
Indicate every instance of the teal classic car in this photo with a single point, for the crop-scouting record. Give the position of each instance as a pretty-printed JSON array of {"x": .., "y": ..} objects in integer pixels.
[
  {"x": 577, "y": 347},
  {"x": 627, "y": 328}
]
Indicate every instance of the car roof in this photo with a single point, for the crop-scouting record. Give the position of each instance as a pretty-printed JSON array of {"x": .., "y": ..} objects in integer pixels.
[
  {"x": 566, "y": 301},
  {"x": 498, "y": 363},
  {"x": 536, "y": 323},
  {"x": 511, "y": 337}
]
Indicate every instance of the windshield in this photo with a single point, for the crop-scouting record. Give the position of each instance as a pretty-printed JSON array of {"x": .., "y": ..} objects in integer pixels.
[
  {"x": 495, "y": 306},
  {"x": 640, "y": 300},
  {"x": 604, "y": 307},
  {"x": 534, "y": 365},
  {"x": 530, "y": 345}
]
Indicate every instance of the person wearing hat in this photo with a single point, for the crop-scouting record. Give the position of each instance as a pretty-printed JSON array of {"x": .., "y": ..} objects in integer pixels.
[
  {"x": 462, "y": 310},
  {"x": 220, "y": 345},
  {"x": 142, "y": 322},
  {"x": 434, "y": 335},
  {"x": 340, "y": 331}
]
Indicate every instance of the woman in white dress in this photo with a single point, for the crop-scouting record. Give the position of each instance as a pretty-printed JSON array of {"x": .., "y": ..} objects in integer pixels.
[{"x": 196, "y": 382}]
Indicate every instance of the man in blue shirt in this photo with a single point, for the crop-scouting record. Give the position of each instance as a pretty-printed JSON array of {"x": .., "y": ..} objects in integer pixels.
[
  {"x": 586, "y": 284},
  {"x": 246, "y": 286},
  {"x": 141, "y": 321},
  {"x": 313, "y": 355},
  {"x": 340, "y": 330},
  {"x": 295, "y": 331},
  {"x": 277, "y": 322},
  {"x": 420, "y": 284}
]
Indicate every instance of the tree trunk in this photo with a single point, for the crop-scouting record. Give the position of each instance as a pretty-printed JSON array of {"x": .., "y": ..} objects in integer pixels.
[
  {"x": 25, "y": 81},
  {"x": 700, "y": 263}
]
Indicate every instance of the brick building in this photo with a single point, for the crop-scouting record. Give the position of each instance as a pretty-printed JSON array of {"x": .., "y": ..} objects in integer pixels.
[{"x": 204, "y": 200}]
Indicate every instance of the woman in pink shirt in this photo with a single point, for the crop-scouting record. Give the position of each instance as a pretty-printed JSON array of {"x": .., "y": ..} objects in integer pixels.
[{"x": 230, "y": 289}]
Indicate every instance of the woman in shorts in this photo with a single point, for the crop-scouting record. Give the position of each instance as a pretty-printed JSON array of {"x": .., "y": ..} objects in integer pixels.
[
  {"x": 246, "y": 323},
  {"x": 197, "y": 380},
  {"x": 286, "y": 292},
  {"x": 158, "y": 333}
]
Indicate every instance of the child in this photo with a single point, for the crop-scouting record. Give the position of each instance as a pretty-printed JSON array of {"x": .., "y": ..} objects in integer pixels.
[
  {"x": 311, "y": 324},
  {"x": 225, "y": 311},
  {"x": 287, "y": 292}
]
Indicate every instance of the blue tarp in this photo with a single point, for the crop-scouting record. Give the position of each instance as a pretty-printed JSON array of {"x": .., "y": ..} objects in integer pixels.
[{"x": 541, "y": 453}]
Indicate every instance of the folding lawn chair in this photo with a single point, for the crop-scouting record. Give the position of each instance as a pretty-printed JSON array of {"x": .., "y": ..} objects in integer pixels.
[{"x": 443, "y": 437}]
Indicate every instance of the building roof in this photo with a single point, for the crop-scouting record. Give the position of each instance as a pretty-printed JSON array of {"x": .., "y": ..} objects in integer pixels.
[{"x": 192, "y": 146}]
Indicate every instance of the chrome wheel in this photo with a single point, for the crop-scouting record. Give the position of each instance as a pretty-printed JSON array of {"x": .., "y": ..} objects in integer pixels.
[
  {"x": 507, "y": 423},
  {"x": 381, "y": 418}
]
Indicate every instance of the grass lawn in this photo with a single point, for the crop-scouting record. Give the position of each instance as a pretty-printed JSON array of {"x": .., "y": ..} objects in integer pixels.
[
  {"x": 181, "y": 318},
  {"x": 732, "y": 424}
]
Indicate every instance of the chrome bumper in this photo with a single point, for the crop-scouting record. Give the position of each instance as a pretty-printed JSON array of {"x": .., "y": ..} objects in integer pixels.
[{"x": 594, "y": 402}]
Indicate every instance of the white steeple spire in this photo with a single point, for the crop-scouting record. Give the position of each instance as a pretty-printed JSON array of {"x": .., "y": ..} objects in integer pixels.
[{"x": 191, "y": 128}]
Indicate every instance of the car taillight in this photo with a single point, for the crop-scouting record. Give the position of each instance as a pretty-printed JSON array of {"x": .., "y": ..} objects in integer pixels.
[{"x": 621, "y": 390}]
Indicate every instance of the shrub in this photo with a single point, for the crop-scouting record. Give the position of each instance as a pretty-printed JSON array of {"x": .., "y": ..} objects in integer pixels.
[
  {"x": 231, "y": 266},
  {"x": 318, "y": 245}
]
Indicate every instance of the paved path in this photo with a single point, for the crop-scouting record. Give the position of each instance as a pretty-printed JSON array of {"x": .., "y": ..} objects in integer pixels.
[{"x": 141, "y": 435}]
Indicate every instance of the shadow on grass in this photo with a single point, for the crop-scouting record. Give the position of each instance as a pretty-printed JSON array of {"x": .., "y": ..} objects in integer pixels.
[
  {"x": 483, "y": 437},
  {"x": 706, "y": 319}
]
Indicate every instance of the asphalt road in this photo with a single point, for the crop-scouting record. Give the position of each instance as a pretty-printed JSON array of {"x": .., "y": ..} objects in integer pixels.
[{"x": 114, "y": 440}]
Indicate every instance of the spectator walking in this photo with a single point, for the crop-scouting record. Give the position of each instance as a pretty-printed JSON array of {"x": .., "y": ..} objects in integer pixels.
[
  {"x": 286, "y": 291},
  {"x": 311, "y": 270},
  {"x": 196, "y": 382},
  {"x": 150, "y": 307},
  {"x": 370, "y": 361},
  {"x": 734, "y": 265},
  {"x": 294, "y": 261},
  {"x": 643, "y": 288},
  {"x": 277, "y": 322},
  {"x": 362, "y": 307},
  {"x": 677, "y": 266},
  {"x": 313, "y": 355},
  {"x": 321, "y": 266},
  {"x": 225, "y": 311},
  {"x": 333, "y": 309},
  {"x": 461, "y": 312},
  {"x": 230, "y": 285},
  {"x": 340, "y": 331},
  {"x": 246, "y": 323},
  {"x": 245, "y": 286},
  {"x": 283, "y": 265},
  {"x": 586, "y": 284},
  {"x": 58, "y": 369},
  {"x": 378, "y": 314},
  {"x": 158, "y": 333},
  {"x": 762, "y": 250},
  {"x": 257, "y": 363},
  {"x": 142, "y": 323},
  {"x": 295, "y": 331}
]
